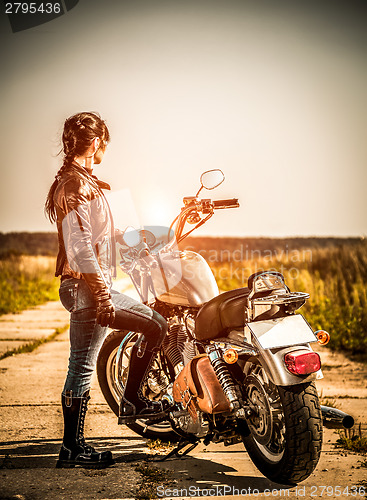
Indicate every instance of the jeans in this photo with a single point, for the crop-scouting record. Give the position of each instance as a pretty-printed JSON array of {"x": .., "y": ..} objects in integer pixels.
[{"x": 86, "y": 336}]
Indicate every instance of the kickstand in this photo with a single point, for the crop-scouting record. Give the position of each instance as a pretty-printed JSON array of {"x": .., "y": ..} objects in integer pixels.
[{"x": 178, "y": 453}]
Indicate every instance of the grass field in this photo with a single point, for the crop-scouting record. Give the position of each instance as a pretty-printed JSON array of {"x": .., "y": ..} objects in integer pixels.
[
  {"x": 335, "y": 278},
  {"x": 26, "y": 281}
]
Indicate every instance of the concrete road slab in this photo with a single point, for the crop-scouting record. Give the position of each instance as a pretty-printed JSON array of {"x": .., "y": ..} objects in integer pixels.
[
  {"x": 9, "y": 345},
  {"x": 31, "y": 325},
  {"x": 28, "y": 334},
  {"x": 49, "y": 312}
]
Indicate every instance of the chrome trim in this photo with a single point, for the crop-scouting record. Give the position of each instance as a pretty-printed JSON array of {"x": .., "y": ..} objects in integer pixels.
[
  {"x": 336, "y": 419},
  {"x": 285, "y": 298}
]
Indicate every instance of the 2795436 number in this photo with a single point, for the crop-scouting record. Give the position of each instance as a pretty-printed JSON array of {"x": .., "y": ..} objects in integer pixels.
[
  {"x": 32, "y": 8},
  {"x": 337, "y": 491}
]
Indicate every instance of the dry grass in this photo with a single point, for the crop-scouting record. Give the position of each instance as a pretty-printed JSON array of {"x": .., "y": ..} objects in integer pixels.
[
  {"x": 26, "y": 281},
  {"x": 335, "y": 278},
  {"x": 158, "y": 445},
  {"x": 152, "y": 477},
  {"x": 353, "y": 440}
]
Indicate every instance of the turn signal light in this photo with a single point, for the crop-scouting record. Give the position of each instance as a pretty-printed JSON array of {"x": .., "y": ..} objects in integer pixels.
[
  {"x": 230, "y": 356},
  {"x": 302, "y": 363},
  {"x": 322, "y": 337}
]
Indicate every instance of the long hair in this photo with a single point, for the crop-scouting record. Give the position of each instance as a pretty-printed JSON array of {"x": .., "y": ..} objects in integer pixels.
[{"x": 79, "y": 132}]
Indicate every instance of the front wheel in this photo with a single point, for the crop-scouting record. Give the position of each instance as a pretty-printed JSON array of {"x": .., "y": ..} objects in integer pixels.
[
  {"x": 286, "y": 428},
  {"x": 111, "y": 382}
]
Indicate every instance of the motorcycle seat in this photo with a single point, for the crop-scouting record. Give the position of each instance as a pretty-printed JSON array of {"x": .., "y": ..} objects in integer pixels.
[{"x": 222, "y": 313}]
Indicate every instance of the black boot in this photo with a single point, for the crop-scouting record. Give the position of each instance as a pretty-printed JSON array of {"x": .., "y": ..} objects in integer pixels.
[
  {"x": 74, "y": 450},
  {"x": 133, "y": 404}
]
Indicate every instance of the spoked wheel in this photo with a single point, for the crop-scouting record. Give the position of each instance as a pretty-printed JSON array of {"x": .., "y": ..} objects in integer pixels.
[
  {"x": 285, "y": 427},
  {"x": 112, "y": 377}
]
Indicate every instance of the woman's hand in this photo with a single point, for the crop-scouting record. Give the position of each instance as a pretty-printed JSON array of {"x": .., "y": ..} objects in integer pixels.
[{"x": 105, "y": 312}]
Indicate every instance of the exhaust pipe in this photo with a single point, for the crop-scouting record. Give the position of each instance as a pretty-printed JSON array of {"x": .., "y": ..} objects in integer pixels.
[{"x": 336, "y": 419}]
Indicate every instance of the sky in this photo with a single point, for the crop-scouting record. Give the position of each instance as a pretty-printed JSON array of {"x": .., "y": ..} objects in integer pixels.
[{"x": 273, "y": 93}]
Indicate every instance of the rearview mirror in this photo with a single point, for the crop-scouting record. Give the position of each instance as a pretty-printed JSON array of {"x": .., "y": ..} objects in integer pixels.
[
  {"x": 211, "y": 178},
  {"x": 131, "y": 237}
]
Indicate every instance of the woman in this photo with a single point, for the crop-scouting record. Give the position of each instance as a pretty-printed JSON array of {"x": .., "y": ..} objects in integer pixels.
[{"x": 85, "y": 262}]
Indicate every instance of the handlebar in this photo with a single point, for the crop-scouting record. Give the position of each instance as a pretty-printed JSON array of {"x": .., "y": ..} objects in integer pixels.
[
  {"x": 231, "y": 203},
  {"x": 191, "y": 209}
]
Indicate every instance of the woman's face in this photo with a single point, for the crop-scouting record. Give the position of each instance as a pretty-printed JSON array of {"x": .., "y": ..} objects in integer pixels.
[{"x": 98, "y": 155}]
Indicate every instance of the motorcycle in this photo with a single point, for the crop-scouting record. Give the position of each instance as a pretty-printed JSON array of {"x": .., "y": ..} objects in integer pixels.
[{"x": 235, "y": 367}]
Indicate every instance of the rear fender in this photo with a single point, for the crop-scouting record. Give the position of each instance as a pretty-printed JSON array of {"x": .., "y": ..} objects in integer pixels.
[
  {"x": 277, "y": 337},
  {"x": 273, "y": 362}
]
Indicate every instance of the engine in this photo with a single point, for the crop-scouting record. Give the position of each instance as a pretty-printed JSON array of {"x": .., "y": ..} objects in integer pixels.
[{"x": 177, "y": 346}]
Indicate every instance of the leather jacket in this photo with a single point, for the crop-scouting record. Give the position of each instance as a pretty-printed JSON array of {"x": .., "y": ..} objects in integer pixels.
[{"x": 85, "y": 230}]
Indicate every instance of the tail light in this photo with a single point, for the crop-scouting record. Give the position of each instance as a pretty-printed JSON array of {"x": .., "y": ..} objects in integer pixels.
[{"x": 302, "y": 362}]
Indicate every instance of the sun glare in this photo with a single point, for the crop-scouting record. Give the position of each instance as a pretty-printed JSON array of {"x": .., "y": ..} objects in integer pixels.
[{"x": 159, "y": 214}]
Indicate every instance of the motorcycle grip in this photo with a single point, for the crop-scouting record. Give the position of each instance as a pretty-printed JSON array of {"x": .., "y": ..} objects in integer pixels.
[{"x": 231, "y": 203}]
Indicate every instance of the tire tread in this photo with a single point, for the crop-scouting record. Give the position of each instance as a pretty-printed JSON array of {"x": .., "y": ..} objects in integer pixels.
[{"x": 303, "y": 422}]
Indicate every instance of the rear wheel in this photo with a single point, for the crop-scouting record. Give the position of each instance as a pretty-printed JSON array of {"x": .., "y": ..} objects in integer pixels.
[
  {"x": 112, "y": 378},
  {"x": 286, "y": 427}
]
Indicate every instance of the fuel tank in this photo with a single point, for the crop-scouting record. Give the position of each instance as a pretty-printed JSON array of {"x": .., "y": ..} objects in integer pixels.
[{"x": 184, "y": 278}]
